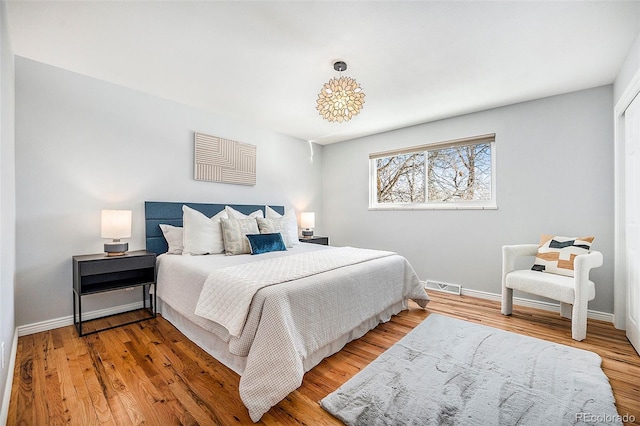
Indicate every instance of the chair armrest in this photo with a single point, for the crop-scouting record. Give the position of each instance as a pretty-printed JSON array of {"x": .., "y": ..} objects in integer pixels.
[
  {"x": 518, "y": 250},
  {"x": 512, "y": 252},
  {"x": 583, "y": 263}
]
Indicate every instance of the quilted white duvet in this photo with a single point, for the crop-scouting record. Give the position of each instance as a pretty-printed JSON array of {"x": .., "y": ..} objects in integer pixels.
[{"x": 288, "y": 323}]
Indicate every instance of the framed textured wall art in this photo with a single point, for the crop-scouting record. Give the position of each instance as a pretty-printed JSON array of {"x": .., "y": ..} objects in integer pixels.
[{"x": 223, "y": 160}]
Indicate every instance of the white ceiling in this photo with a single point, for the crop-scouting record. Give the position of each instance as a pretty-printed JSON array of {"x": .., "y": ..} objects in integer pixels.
[{"x": 265, "y": 62}]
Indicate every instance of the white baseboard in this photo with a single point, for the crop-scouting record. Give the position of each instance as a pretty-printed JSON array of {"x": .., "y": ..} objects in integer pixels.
[
  {"x": 6, "y": 399},
  {"x": 547, "y": 306},
  {"x": 47, "y": 325}
]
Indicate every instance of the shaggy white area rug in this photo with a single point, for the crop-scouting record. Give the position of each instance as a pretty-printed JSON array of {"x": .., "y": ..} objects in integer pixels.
[{"x": 452, "y": 372}]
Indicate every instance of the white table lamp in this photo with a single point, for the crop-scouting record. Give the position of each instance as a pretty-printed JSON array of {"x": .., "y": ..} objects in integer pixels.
[
  {"x": 116, "y": 224},
  {"x": 307, "y": 223}
]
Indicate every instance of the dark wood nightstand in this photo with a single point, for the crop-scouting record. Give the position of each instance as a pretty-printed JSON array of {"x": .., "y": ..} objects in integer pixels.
[
  {"x": 99, "y": 273},
  {"x": 316, "y": 239}
]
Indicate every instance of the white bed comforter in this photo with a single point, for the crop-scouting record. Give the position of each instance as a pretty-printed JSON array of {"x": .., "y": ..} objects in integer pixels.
[
  {"x": 289, "y": 322},
  {"x": 228, "y": 292}
]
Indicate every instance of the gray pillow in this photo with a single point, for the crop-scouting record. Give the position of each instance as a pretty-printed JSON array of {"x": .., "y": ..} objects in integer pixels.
[{"x": 234, "y": 233}]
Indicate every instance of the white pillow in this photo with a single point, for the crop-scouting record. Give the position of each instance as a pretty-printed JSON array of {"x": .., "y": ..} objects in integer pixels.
[
  {"x": 173, "y": 235},
  {"x": 235, "y": 214},
  {"x": 202, "y": 235},
  {"x": 291, "y": 223}
]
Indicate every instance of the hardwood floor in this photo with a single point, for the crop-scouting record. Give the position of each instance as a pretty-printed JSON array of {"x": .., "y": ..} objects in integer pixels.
[{"x": 149, "y": 373}]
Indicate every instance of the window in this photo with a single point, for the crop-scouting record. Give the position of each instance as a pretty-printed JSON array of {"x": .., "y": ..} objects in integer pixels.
[{"x": 456, "y": 174}]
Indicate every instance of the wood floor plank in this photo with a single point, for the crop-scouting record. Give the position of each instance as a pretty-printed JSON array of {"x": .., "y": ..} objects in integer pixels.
[
  {"x": 106, "y": 356},
  {"x": 149, "y": 373},
  {"x": 40, "y": 371},
  {"x": 23, "y": 409}
]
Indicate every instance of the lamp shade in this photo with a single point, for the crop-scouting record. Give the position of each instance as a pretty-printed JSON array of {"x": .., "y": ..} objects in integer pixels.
[
  {"x": 308, "y": 220},
  {"x": 116, "y": 224}
]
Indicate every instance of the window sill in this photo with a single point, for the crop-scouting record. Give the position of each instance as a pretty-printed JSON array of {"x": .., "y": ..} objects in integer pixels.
[{"x": 438, "y": 207}]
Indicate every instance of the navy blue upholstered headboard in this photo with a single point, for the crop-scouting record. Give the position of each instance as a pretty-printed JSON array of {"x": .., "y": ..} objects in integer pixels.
[{"x": 158, "y": 212}]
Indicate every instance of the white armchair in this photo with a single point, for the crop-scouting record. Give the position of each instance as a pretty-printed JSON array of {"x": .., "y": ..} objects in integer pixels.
[{"x": 573, "y": 293}]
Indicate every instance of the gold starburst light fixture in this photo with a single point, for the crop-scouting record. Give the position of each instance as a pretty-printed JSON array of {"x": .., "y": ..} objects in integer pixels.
[{"x": 341, "y": 98}]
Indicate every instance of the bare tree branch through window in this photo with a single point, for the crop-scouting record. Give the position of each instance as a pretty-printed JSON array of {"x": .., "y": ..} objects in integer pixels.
[
  {"x": 401, "y": 178},
  {"x": 458, "y": 173}
]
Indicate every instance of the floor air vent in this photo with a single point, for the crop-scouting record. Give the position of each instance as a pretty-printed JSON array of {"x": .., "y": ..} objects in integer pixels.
[{"x": 444, "y": 287}]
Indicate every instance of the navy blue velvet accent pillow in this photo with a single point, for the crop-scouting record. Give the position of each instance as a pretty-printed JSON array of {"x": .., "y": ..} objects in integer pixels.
[{"x": 264, "y": 243}]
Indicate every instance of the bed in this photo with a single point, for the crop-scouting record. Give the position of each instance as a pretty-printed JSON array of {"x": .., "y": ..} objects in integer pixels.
[{"x": 289, "y": 327}]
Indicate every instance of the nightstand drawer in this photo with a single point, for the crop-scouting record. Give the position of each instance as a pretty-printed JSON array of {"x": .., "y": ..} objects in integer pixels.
[
  {"x": 108, "y": 265},
  {"x": 316, "y": 239}
]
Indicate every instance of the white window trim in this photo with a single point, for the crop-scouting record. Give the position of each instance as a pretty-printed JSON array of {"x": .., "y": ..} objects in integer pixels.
[{"x": 457, "y": 205}]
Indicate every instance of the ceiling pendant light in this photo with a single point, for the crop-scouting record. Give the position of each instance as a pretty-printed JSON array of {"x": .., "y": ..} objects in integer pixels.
[{"x": 341, "y": 98}]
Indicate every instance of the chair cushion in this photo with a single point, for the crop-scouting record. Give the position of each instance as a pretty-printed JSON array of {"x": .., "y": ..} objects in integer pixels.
[
  {"x": 556, "y": 254},
  {"x": 556, "y": 287}
]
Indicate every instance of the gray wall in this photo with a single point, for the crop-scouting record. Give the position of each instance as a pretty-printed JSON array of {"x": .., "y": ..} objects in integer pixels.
[
  {"x": 554, "y": 175},
  {"x": 7, "y": 203},
  {"x": 83, "y": 145}
]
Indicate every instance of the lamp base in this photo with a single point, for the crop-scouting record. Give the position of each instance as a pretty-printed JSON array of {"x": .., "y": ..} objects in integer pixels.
[
  {"x": 116, "y": 249},
  {"x": 307, "y": 232}
]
